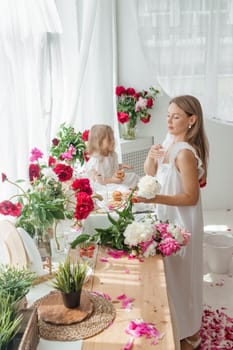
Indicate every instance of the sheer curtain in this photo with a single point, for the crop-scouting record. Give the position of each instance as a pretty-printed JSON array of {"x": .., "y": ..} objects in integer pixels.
[
  {"x": 57, "y": 64},
  {"x": 189, "y": 44},
  {"x": 23, "y": 40}
]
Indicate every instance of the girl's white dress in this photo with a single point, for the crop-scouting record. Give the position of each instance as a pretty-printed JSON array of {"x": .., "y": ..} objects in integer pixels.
[
  {"x": 106, "y": 167},
  {"x": 184, "y": 272}
]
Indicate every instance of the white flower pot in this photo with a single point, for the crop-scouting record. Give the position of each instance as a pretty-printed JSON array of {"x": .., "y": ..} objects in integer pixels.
[{"x": 219, "y": 250}]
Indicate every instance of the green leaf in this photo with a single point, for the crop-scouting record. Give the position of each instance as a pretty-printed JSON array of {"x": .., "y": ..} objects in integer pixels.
[{"x": 80, "y": 239}]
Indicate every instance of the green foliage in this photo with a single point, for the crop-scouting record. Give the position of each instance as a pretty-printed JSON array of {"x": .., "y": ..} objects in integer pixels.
[
  {"x": 15, "y": 283},
  {"x": 67, "y": 137},
  {"x": 70, "y": 276},
  {"x": 113, "y": 235},
  {"x": 9, "y": 321}
]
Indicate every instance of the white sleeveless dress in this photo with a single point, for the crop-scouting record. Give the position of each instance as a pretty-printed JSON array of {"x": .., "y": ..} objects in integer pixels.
[
  {"x": 184, "y": 274},
  {"x": 106, "y": 167}
]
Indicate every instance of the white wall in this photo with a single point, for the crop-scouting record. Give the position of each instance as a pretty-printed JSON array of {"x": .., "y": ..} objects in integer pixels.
[{"x": 134, "y": 71}]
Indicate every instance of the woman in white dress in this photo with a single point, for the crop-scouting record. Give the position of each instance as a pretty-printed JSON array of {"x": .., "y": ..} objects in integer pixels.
[
  {"x": 103, "y": 167},
  {"x": 180, "y": 165}
]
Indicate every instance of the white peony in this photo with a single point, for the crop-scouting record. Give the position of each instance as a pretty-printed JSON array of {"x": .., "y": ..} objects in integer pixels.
[
  {"x": 138, "y": 232},
  {"x": 148, "y": 187},
  {"x": 176, "y": 233}
]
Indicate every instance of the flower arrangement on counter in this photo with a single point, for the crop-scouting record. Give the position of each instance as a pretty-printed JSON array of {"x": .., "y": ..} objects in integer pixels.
[
  {"x": 54, "y": 191},
  {"x": 135, "y": 105},
  {"x": 143, "y": 238}
]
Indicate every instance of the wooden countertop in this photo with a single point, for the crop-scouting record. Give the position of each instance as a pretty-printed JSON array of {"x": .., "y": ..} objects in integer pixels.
[{"x": 145, "y": 282}]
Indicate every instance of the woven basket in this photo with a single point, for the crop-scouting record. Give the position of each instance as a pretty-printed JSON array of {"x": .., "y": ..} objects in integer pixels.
[{"x": 28, "y": 336}]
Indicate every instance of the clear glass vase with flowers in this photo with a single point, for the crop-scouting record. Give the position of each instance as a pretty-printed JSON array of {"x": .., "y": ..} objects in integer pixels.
[
  {"x": 134, "y": 106},
  {"x": 53, "y": 192}
]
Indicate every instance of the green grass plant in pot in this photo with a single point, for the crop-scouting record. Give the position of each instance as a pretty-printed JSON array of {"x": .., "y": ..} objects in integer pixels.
[
  {"x": 15, "y": 282},
  {"x": 69, "y": 280},
  {"x": 9, "y": 321}
]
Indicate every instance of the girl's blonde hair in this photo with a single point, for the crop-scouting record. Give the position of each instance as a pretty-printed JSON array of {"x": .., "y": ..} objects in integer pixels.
[
  {"x": 98, "y": 133},
  {"x": 196, "y": 135}
]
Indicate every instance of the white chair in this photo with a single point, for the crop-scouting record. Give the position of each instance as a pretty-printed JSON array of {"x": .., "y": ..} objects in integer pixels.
[{"x": 17, "y": 248}]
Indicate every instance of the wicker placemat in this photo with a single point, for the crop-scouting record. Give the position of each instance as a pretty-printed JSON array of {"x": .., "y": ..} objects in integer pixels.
[{"x": 102, "y": 316}]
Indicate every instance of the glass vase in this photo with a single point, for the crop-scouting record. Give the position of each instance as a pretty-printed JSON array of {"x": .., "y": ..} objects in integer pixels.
[{"x": 128, "y": 131}]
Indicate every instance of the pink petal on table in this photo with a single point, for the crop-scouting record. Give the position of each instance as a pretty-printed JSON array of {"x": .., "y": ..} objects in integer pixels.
[
  {"x": 129, "y": 344},
  {"x": 116, "y": 254},
  {"x": 121, "y": 297},
  {"x": 104, "y": 259}
]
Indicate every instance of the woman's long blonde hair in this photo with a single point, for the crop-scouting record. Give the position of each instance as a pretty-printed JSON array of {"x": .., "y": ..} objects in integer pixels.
[
  {"x": 196, "y": 135},
  {"x": 98, "y": 133}
]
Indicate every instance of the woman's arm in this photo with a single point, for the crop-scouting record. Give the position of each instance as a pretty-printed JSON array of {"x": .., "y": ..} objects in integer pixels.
[
  {"x": 151, "y": 162},
  {"x": 186, "y": 164}
]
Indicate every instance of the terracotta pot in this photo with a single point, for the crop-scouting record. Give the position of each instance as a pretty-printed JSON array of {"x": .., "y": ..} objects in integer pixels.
[{"x": 72, "y": 299}]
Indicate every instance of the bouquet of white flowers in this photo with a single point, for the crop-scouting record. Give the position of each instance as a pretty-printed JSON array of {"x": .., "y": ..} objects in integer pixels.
[{"x": 148, "y": 187}]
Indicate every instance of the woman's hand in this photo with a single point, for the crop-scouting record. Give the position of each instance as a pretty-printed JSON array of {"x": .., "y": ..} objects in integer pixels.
[
  {"x": 156, "y": 152},
  {"x": 139, "y": 199}
]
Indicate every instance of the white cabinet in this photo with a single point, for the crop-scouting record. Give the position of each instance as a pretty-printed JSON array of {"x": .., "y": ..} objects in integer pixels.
[{"x": 134, "y": 152}]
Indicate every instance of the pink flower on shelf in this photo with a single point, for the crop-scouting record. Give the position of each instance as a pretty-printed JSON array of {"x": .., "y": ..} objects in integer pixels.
[{"x": 141, "y": 104}]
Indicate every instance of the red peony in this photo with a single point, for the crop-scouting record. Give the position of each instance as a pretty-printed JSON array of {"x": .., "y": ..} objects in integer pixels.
[
  {"x": 82, "y": 185},
  {"x": 130, "y": 91},
  {"x": 120, "y": 90},
  {"x": 146, "y": 119},
  {"x": 64, "y": 172},
  {"x": 86, "y": 156},
  {"x": 122, "y": 117},
  {"x": 55, "y": 142},
  {"x": 51, "y": 161},
  {"x": 9, "y": 208},
  {"x": 150, "y": 102},
  {"x": 34, "y": 172},
  {"x": 4, "y": 177},
  {"x": 84, "y": 206},
  {"x": 85, "y": 135}
]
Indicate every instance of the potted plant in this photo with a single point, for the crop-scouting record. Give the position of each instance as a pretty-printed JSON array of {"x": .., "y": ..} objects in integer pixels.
[
  {"x": 69, "y": 281},
  {"x": 15, "y": 283},
  {"x": 14, "y": 286},
  {"x": 9, "y": 321}
]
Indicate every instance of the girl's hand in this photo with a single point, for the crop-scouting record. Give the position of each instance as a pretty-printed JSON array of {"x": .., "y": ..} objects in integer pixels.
[
  {"x": 156, "y": 152},
  {"x": 116, "y": 180},
  {"x": 126, "y": 166},
  {"x": 119, "y": 174}
]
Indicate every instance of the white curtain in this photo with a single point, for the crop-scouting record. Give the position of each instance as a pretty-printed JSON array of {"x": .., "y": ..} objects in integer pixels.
[
  {"x": 189, "y": 45},
  {"x": 93, "y": 94},
  {"x": 57, "y": 64},
  {"x": 24, "y": 78}
]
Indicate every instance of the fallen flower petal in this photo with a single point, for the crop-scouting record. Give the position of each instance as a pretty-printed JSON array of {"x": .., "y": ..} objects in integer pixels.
[{"x": 129, "y": 344}]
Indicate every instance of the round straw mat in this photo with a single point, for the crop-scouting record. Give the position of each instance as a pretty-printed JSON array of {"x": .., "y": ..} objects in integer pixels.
[{"x": 101, "y": 317}]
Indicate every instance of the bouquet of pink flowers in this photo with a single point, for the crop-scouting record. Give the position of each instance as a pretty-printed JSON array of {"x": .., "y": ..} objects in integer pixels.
[{"x": 150, "y": 238}]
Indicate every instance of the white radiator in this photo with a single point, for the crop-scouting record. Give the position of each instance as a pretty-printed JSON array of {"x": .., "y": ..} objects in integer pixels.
[{"x": 135, "y": 152}]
